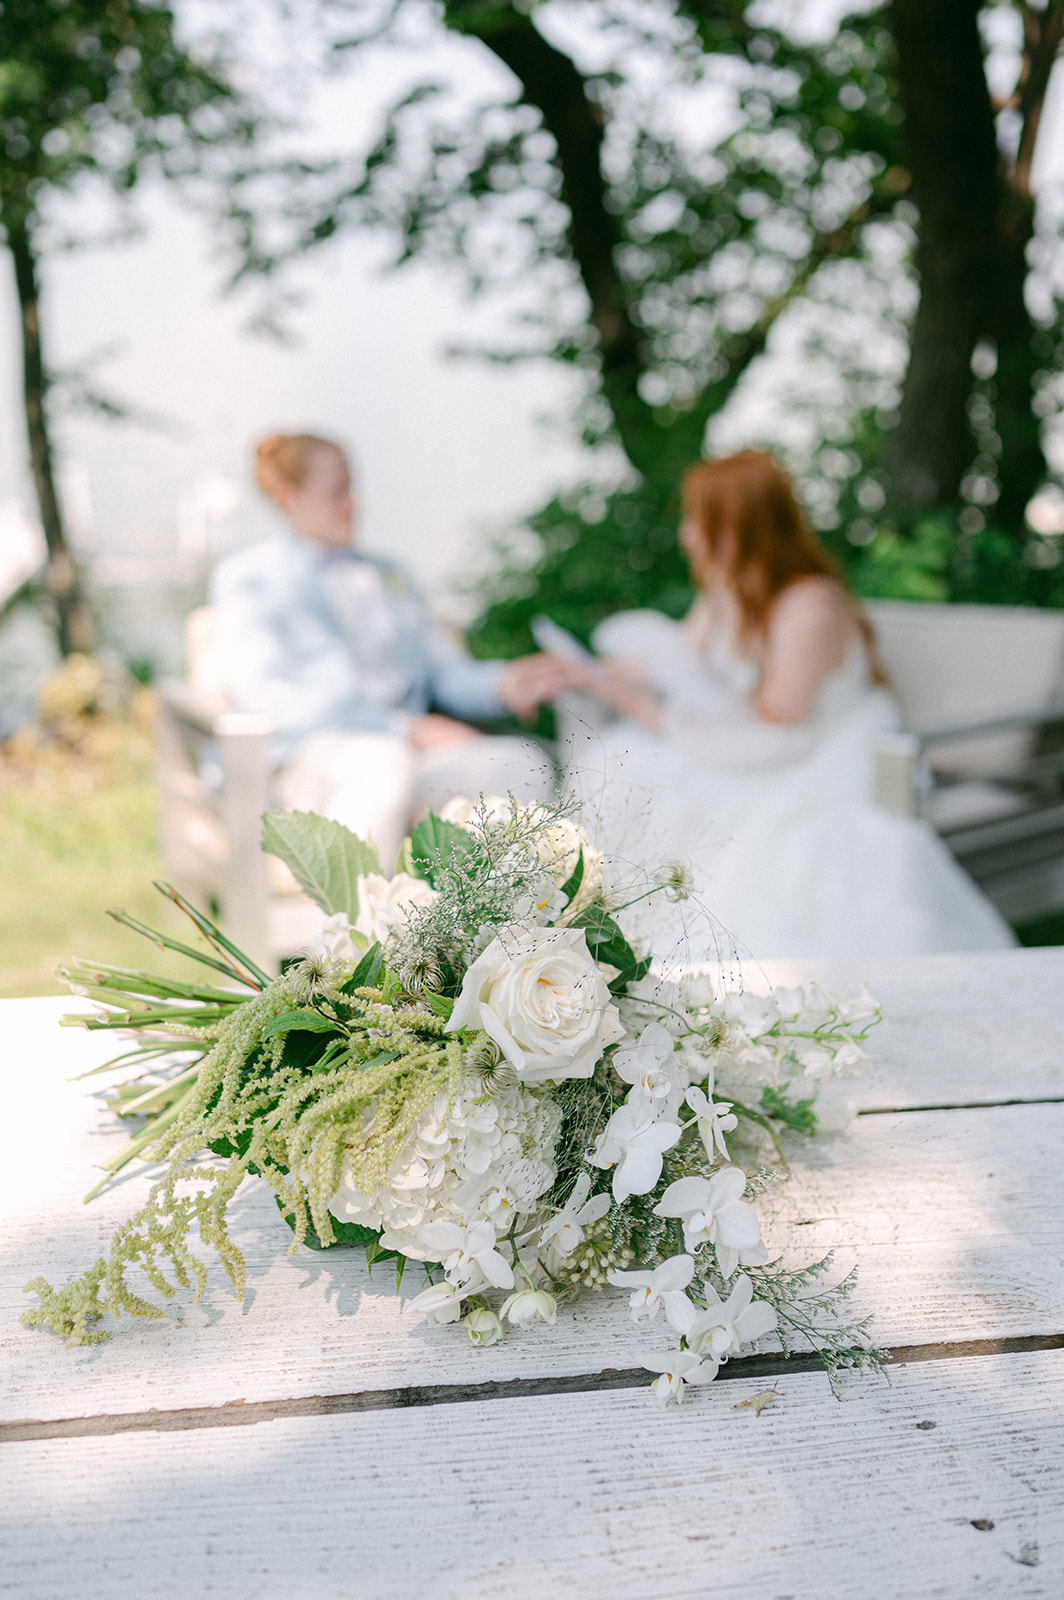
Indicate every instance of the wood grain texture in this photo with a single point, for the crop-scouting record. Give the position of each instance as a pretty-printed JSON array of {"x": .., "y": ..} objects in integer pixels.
[
  {"x": 983, "y": 1025},
  {"x": 593, "y": 1497},
  {"x": 954, "y": 1219}
]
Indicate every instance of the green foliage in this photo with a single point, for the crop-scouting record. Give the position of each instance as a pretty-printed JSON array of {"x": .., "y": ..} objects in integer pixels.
[
  {"x": 92, "y": 88},
  {"x": 795, "y": 1114},
  {"x": 437, "y": 846},
  {"x": 299, "y": 1021},
  {"x": 596, "y": 555},
  {"x": 325, "y": 858}
]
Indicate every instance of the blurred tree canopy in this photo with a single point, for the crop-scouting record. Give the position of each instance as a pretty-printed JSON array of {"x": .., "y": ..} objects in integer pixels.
[
  {"x": 669, "y": 187},
  {"x": 90, "y": 89}
]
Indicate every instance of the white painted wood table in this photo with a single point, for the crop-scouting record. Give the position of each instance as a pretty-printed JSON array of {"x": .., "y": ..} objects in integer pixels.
[{"x": 313, "y": 1443}]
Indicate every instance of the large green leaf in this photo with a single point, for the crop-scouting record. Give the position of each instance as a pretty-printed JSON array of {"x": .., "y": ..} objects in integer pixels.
[
  {"x": 326, "y": 858},
  {"x": 434, "y": 843}
]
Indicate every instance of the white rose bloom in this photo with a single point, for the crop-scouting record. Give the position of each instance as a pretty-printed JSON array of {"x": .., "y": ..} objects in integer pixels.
[
  {"x": 383, "y": 902},
  {"x": 334, "y": 941},
  {"x": 539, "y": 995}
]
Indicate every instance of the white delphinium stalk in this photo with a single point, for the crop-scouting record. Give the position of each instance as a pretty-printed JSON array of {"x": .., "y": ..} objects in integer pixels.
[
  {"x": 662, "y": 1289},
  {"x": 713, "y": 1212}
]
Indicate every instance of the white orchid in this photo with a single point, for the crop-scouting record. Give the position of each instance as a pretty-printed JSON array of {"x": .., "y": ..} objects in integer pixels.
[
  {"x": 634, "y": 1142},
  {"x": 565, "y": 1230},
  {"x": 678, "y": 1368},
  {"x": 715, "y": 1118},
  {"x": 662, "y": 1289},
  {"x": 468, "y": 1253},
  {"x": 440, "y": 1302},
  {"x": 713, "y": 1212},
  {"x": 525, "y": 1305},
  {"x": 649, "y": 1065},
  {"x": 725, "y": 1326}
]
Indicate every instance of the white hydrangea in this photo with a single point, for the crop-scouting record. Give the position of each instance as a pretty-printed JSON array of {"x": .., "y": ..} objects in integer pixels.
[{"x": 484, "y": 1160}]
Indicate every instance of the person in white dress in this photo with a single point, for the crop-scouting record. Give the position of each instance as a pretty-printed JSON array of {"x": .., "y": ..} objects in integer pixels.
[
  {"x": 369, "y": 695},
  {"x": 744, "y": 747}
]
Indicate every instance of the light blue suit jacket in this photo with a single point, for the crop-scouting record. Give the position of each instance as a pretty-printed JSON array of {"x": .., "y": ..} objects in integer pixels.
[{"x": 281, "y": 649}]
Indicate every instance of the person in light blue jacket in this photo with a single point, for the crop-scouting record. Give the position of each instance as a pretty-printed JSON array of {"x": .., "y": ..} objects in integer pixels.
[{"x": 340, "y": 650}]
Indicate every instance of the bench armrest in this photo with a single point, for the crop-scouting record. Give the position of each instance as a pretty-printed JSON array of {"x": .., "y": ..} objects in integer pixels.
[{"x": 1037, "y": 717}]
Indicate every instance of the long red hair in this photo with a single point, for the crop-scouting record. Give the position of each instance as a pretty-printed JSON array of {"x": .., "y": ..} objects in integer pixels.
[{"x": 754, "y": 529}]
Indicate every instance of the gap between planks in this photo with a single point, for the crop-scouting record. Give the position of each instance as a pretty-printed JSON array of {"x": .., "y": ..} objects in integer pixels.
[
  {"x": 961, "y": 1105},
  {"x": 239, "y": 1413}
]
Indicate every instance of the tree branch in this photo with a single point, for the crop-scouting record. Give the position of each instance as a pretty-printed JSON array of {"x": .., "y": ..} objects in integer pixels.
[{"x": 552, "y": 84}]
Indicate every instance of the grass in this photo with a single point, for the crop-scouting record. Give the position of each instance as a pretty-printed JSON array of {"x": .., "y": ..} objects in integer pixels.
[{"x": 79, "y": 834}]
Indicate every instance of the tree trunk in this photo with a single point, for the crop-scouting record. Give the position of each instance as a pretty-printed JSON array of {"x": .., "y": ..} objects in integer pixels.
[
  {"x": 73, "y": 622},
  {"x": 552, "y": 84},
  {"x": 1022, "y": 463},
  {"x": 1022, "y": 466},
  {"x": 949, "y": 128}
]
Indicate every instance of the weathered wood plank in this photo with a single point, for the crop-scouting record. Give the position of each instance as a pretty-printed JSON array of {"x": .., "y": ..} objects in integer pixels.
[
  {"x": 953, "y": 1217},
  {"x": 960, "y": 1028},
  {"x": 947, "y": 1485}
]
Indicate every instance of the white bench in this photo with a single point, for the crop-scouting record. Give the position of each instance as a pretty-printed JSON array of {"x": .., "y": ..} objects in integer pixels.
[{"x": 978, "y": 686}]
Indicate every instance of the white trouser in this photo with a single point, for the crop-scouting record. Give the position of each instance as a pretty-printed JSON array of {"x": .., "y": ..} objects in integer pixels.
[{"x": 377, "y": 784}]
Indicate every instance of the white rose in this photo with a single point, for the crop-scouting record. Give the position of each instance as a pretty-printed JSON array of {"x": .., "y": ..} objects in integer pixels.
[
  {"x": 383, "y": 902},
  {"x": 539, "y": 995}
]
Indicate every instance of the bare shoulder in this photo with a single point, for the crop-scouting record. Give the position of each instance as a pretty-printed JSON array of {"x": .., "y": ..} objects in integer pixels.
[
  {"x": 815, "y": 595},
  {"x": 814, "y": 603}
]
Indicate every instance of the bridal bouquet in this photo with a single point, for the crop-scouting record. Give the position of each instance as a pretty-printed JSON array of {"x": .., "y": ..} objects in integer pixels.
[{"x": 473, "y": 1070}]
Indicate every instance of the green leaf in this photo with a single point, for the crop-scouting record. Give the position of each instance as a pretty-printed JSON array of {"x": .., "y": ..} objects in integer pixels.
[
  {"x": 571, "y": 886},
  {"x": 434, "y": 843},
  {"x": 627, "y": 975},
  {"x": 325, "y": 858},
  {"x": 405, "y": 863},
  {"x": 796, "y": 1114},
  {"x": 367, "y": 972},
  {"x": 606, "y": 941},
  {"x": 440, "y": 1004},
  {"x": 300, "y": 1021},
  {"x": 379, "y": 1059}
]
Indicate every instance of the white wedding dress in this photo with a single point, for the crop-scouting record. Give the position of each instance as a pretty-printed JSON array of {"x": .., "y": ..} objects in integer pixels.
[{"x": 790, "y": 854}]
